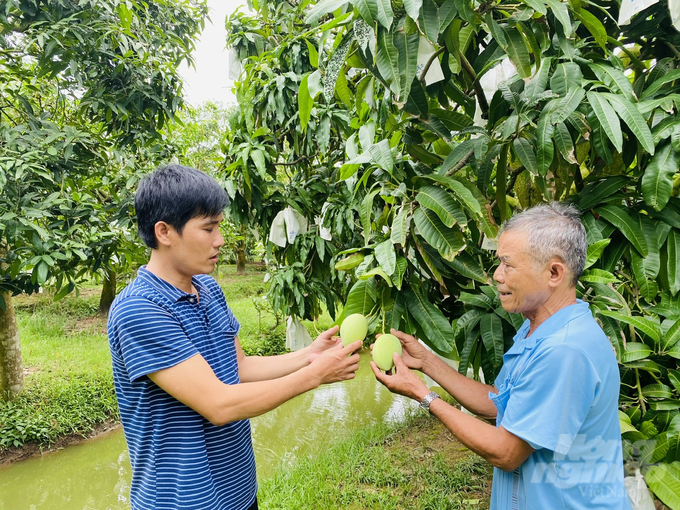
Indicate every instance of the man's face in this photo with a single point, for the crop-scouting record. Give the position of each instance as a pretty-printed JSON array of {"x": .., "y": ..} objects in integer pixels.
[
  {"x": 521, "y": 281},
  {"x": 197, "y": 249}
]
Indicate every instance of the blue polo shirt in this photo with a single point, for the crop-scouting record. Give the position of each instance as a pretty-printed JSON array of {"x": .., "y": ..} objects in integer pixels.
[
  {"x": 558, "y": 390},
  {"x": 179, "y": 459}
]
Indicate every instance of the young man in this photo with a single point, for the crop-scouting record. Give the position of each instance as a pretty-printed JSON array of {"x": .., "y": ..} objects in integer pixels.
[
  {"x": 557, "y": 439},
  {"x": 185, "y": 388}
]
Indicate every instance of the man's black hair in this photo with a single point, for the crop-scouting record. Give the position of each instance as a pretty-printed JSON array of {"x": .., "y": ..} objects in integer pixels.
[{"x": 175, "y": 194}]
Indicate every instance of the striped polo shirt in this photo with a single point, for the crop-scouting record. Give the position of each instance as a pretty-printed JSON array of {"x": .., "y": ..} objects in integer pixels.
[{"x": 179, "y": 459}]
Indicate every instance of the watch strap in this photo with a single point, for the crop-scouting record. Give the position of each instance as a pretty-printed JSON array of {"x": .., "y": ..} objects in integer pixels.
[{"x": 427, "y": 400}]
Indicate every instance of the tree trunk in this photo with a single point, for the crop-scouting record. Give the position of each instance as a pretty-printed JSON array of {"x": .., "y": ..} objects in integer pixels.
[
  {"x": 11, "y": 367},
  {"x": 241, "y": 253},
  {"x": 108, "y": 292}
]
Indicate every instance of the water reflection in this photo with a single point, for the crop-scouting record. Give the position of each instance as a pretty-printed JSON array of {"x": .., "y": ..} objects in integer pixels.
[{"x": 95, "y": 475}]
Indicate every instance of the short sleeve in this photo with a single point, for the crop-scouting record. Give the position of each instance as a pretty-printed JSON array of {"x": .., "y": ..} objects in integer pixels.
[
  {"x": 150, "y": 337},
  {"x": 550, "y": 400}
]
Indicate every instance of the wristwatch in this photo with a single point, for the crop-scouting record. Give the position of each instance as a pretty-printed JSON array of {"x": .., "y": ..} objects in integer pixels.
[{"x": 427, "y": 400}]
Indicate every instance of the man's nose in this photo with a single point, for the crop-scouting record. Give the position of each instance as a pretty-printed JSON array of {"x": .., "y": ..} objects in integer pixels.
[
  {"x": 219, "y": 241},
  {"x": 498, "y": 275}
]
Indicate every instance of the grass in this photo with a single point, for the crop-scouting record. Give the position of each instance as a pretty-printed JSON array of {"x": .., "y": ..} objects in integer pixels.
[
  {"x": 69, "y": 391},
  {"x": 68, "y": 384},
  {"x": 414, "y": 466}
]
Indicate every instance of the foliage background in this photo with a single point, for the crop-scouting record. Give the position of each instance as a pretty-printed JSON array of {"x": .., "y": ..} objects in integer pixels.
[{"x": 342, "y": 118}]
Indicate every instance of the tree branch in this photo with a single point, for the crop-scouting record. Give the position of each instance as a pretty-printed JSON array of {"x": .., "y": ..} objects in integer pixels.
[
  {"x": 429, "y": 63},
  {"x": 298, "y": 160},
  {"x": 463, "y": 161},
  {"x": 479, "y": 91}
]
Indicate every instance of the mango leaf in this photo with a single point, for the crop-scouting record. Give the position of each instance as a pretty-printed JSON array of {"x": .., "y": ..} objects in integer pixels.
[
  {"x": 413, "y": 8},
  {"x": 536, "y": 5},
  {"x": 387, "y": 61},
  {"x": 439, "y": 201},
  {"x": 398, "y": 276},
  {"x": 597, "y": 192},
  {"x": 377, "y": 271},
  {"x": 546, "y": 150},
  {"x": 385, "y": 14},
  {"x": 646, "y": 365},
  {"x": 567, "y": 76},
  {"x": 674, "y": 377},
  {"x": 660, "y": 82},
  {"x": 621, "y": 219},
  {"x": 491, "y": 329},
  {"x": 478, "y": 300},
  {"x": 641, "y": 324},
  {"x": 635, "y": 351},
  {"x": 400, "y": 227},
  {"x": 465, "y": 197},
  {"x": 598, "y": 276},
  {"x": 366, "y": 214},
  {"x": 561, "y": 13},
  {"x": 386, "y": 256},
  {"x": 673, "y": 255},
  {"x": 407, "y": 46},
  {"x": 427, "y": 259},
  {"x": 673, "y": 454},
  {"x": 595, "y": 251},
  {"x": 454, "y": 121},
  {"x": 447, "y": 241},
  {"x": 526, "y": 154},
  {"x": 564, "y": 143},
  {"x": 429, "y": 21},
  {"x": 467, "y": 266},
  {"x": 517, "y": 52},
  {"x": 539, "y": 82},
  {"x": 633, "y": 119},
  {"x": 437, "y": 329},
  {"x": 361, "y": 298},
  {"x": 609, "y": 121},
  {"x": 323, "y": 8},
  {"x": 468, "y": 352},
  {"x": 305, "y": 103},
  {"x": 651, "y": 264},
  {"x": 657, "y": 181},
  {"x": 614, "y": 79},
  {"x": 626, "y": 425},
  {"x": 665, "y": 405},
  {"x": 594, "y": 26},
  {"x": 367, "y": 10},
  {"x": 349, "y": 262},
  {"x": 381, "y": 154},
  {"x": 657, "y": 391},
  {"x": 558, "y": 110}
]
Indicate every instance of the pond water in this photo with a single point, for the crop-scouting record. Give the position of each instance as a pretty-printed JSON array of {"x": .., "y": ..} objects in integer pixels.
[{"x": 95, "y": 474}]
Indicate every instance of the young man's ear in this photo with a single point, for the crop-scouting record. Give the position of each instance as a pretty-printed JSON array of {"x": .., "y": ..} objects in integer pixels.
[{"x": 162, "y": 232}]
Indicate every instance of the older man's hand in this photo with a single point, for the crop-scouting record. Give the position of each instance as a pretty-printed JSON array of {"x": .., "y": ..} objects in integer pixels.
[
  {"x": 402, "y": 380},
  {"x": 414, "y": 354}
]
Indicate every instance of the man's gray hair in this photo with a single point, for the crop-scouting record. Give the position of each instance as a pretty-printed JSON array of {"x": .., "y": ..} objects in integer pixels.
[{"x": 553, "y": 230}]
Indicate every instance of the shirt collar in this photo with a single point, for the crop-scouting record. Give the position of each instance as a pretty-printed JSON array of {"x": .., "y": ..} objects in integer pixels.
[
  {"x": 171, "y": 292},
  {"x": 552, "y": 324}
]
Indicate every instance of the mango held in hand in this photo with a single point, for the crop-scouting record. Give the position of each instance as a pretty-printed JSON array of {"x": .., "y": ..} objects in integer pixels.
[
  {"x": 383, "y": 349},
  {"x": 353, "y": 328}
]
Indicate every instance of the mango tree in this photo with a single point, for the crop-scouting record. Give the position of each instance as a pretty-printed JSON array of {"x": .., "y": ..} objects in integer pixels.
[
  {"x": 274, "y": 169},
  {"x": 197, "y": 140},
  {"x": 80, "y": 81},
  {"x": 462, "y": 112}
]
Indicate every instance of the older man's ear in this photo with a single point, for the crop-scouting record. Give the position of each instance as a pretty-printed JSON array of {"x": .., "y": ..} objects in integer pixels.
[{"x": 558, "y": 273}]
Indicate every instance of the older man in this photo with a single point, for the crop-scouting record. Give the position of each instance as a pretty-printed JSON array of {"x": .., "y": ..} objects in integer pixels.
[{"x": 556, "y": 443}]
